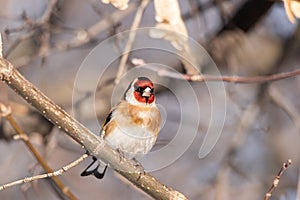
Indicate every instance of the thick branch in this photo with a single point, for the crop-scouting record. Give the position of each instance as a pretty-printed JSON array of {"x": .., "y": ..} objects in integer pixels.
[{"x": 95, "y": 145}]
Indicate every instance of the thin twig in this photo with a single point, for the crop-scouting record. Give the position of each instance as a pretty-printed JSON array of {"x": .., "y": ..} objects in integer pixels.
[
  {"x": 5, "y": 111},
  {"x": 42, "y": 24},
  {"x": 93, "y": 144},
  {"x": 48, "y": 12},
  {"x": 18, "y": 41},
  {"x": 277, "y": 178},
  {"x": 48, "y": 175},
  {"x": 93, "y": 31},
  {"x": 131, "y": 37},
  {"x": 226, "y": 78}
]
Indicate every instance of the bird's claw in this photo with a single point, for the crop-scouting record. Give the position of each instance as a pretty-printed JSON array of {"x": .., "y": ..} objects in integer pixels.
[{"x": 139, "y": 168}]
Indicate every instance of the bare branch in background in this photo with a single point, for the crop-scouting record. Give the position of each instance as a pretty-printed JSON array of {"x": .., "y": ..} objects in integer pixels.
[
  {"x": 131, "y": 37},
  {"x": 42, "y": 24},
  {"x": 85, "y": 36},
  {"x": 225, "y": 78},
  {"x": 277, "y": 179},
  {"x": 48, "y": 175},
  {"x": 231, "y": 79},
  {"x": 244, "y": 79},
  {"x": 5, "y": 111}
]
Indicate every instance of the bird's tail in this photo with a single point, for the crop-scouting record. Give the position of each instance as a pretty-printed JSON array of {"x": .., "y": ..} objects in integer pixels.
[{"x": 96, "y": 168}]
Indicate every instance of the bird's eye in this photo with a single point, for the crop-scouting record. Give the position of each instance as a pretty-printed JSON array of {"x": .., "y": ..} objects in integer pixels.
[
  {"x": 139, "y": 89},
  {"x": 152, "y": 90}
]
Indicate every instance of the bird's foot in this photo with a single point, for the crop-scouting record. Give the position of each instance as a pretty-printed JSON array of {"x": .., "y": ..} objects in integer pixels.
[{"x": 139, "y": 168}]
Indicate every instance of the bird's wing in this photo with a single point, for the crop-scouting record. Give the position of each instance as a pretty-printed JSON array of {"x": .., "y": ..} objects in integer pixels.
[{"x": 107, "y": 125}]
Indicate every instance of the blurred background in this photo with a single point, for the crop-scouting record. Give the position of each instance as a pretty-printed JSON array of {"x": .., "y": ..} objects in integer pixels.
[{"x": 48, "y": 41}]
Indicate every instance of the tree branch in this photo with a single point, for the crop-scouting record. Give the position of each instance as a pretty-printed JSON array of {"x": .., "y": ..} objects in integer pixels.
[
  {"x": 277, "y": 178},
  {"x": 5, "y": 111},
  {"x": 48, "y": 175},
  {"x": 95, "y": 145},
  {"x": 131, "y": 37},
  {"x": 226, "y": 78},
  {"x": 91, "y": 33},
  {"x": 31, "y": 26}
]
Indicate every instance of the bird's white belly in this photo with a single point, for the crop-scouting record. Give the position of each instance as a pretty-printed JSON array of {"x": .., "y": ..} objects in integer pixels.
[{"x": 134, "y": 143}]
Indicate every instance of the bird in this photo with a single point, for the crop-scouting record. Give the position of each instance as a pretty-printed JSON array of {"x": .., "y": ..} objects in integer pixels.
[{"x": 132, "y": 126}]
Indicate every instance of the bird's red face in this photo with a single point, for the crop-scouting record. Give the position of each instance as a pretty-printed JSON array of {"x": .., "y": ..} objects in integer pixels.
[{"x": 144, "y": 90}]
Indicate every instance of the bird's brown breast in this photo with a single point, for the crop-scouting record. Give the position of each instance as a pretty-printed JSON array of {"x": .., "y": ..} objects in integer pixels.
[{"x": 129, "y": 115}]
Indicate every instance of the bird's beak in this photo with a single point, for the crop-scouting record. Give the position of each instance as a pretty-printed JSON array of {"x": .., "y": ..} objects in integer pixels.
[{"x": 147, "y": 92}]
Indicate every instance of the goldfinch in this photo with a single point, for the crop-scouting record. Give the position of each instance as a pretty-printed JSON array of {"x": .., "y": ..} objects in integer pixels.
[{"x": 132, "y": 126}]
